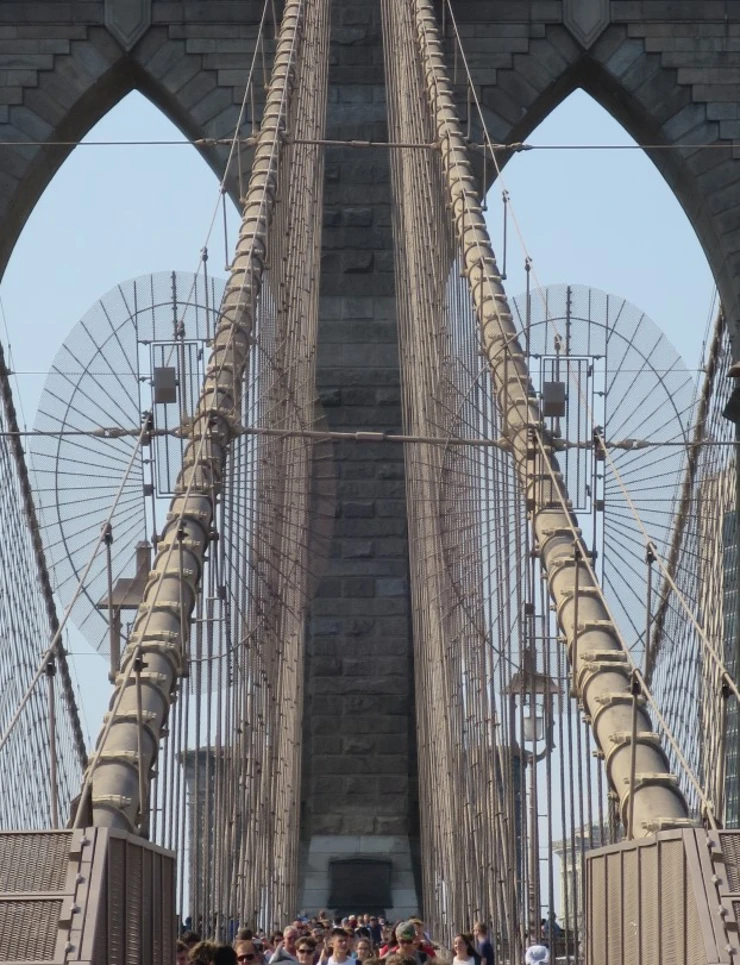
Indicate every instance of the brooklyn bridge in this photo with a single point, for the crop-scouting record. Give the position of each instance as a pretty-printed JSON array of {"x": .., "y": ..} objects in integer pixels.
[{"x": 418, "y": 597}]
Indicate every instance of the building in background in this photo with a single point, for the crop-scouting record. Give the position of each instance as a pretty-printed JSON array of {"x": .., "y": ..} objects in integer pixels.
[{"x": 571, "y": 852}]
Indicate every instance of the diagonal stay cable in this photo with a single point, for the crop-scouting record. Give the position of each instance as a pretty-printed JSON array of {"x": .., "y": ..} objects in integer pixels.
[{"x": 49, "y": 652}]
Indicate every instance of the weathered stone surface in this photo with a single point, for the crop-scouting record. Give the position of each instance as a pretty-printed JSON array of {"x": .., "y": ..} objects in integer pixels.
[
  {"x": 586, "y": 19},
  {"x": 668, "y": 70},
  {"x": 128, "y": 20}
]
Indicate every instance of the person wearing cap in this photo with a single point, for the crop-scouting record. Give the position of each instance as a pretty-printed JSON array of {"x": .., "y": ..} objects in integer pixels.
[
  {"x": 422, "y": 942},
  {"x": 407, "y": 943}
]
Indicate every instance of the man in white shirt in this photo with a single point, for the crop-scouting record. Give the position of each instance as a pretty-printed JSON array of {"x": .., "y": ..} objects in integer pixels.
[
  {"x": 285, "y": 951},
  {"x": 341, "y": 946}
]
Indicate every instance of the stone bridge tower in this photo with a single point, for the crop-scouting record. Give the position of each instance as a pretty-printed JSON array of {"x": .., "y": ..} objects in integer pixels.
[{"x": 669, "y": 72}]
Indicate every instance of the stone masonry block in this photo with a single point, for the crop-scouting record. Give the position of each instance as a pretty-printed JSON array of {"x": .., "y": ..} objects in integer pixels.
[
  {"x": 715, "y": 92},
  {"x": 373, "y": 528},
  {"x": 625, "y": 57},
  {"x": 723, "y": 112},
  {"x": 379, "y": 725},
  {"x": 26, "y": 120},
  {"x": 709, "y": 75},
  {"x": 364, "y": 784},
  {"x": 384, "y": 705},
  {"x": 729, "y": 130},
  {"x": 358, "y": 587},
  {"x": 196, "y": 89},
  {"x": 357, "y": 308},
  {"x": 210, "y": 105},
  {"x": 46, "y": 31},
  {"x": 392, "y": 587},
  {"x": 717, "y": 175},
  {"x": 334, "y": 844},
  {"x": 357, "y": 745},
  {"x": 354, "y": 262},
  {"x": 352, "y": 472},
  {"x": 392, "y": 745},
  {"x": 724, "y": 197},
  {"x": 11, "y": 95},
  {"x": 20, "y": 61},
  {"x": 662, "y": 95},
  {"x": 362, "y": 509},
  {"x": 165, "y": 57},
  {"x": 181, "y": 71},
  {"x": 359, "y": 396},
  {"x": 391, "y": 507},
  {"x": 685, "y": 120},
  {"x": 328, "y": 745},
  {"x": 357, "y": 548}
]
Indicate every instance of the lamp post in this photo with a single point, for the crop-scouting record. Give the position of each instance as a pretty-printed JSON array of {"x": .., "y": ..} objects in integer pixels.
[{"x": 535, "y": 692}]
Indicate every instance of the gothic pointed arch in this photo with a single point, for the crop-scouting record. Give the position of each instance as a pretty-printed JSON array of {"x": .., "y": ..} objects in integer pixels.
[
  {"x": 648, "y": 80},
  {"x": 84, "y": 72}
]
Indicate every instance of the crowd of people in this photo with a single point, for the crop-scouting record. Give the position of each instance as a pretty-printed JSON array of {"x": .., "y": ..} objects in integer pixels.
[{"x": 353, "y": 940}]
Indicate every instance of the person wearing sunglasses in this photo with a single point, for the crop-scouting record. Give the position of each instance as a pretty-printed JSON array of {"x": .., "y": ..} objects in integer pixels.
[
  {"x": 376, "y": 930},
  {"x": 407, "y": 943},
  {"x": 306, "y": 951},
  {"x": 246, "y": 953}
]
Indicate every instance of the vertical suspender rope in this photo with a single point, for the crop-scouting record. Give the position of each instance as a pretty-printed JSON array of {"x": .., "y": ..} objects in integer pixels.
[
  {"x": 601, "y": 670},
  {"x": 30, "y": 510},
  {"x": 53, "y": 782},
  {"x": 157, "y": 628}
]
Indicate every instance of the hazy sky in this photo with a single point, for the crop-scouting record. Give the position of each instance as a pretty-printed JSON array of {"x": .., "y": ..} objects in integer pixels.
[{"x": 599, "y": 218}]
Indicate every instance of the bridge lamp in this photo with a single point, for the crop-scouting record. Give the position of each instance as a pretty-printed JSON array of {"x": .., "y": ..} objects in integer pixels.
[{"x": 537, "y": 692}]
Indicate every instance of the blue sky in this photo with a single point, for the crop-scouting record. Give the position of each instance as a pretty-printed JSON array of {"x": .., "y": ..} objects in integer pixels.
[{"x": 600, "y": 218}]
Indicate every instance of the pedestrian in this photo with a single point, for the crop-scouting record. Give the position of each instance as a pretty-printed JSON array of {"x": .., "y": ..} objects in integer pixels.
[
  {"x": 190, "y": 938},
  {"x": 550, "y": 928},
  {"x": 465, "y": 951},
  {"x": 397, "y": 958},
  {"x": 364, "y": 949},
  {"x": 537, "y": 954},
  {"x": 407, "y": 943},
  {"x": 306, "y": 951},
  {"x": 204, "y": 953},
  {"x": 224, "y": 955},
  {"x": 422, "y": 943},
  {"x": 285, "y": 949},
  {"x": 483, "y": 943},
  {"x": 246, "y": 952},
  {"x": 340, "y": 944}
]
